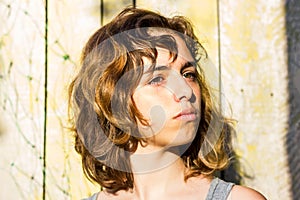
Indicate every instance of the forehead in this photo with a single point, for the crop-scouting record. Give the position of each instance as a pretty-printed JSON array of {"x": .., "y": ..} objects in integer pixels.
[
  {"x": 164, "y": 56},
  {"x": 183, "y": 51}
]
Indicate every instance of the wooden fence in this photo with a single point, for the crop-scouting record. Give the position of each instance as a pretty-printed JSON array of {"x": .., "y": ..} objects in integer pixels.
[{"x": 253, "y": 44}]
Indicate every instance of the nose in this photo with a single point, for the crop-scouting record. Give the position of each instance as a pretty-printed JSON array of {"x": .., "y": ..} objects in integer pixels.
[{"x": 179, "y": 87}]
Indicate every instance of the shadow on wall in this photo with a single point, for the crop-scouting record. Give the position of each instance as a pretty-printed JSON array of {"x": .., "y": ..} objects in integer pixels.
[
  {"x": 233, "y": 173},
  {"x": 292, "y": 141}
]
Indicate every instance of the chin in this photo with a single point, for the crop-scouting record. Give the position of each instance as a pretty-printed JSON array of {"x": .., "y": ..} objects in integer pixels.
[{"x": 183, "y": 139}]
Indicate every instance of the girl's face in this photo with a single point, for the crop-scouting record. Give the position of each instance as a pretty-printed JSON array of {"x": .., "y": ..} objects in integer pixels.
[{"x": 169, "y": 98}]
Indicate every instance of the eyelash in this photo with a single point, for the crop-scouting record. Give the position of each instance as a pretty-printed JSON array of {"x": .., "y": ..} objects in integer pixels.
[
  {"x": 189, "y": 75},
  {"x": 157, "y": 80}
]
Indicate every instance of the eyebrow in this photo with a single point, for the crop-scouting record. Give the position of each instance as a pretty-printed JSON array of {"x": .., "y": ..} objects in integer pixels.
[
  {"x": 188, "y": 64},
  {"x": 157, "y": 68},
  {"x": 164, "y": 67}
]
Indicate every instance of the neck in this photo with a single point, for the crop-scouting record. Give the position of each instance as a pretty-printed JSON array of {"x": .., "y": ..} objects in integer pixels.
[{"x": 156, "y": 172}]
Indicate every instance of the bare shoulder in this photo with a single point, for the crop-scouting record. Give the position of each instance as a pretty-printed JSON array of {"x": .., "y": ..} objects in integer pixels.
[{"x": 245, "y": 193}]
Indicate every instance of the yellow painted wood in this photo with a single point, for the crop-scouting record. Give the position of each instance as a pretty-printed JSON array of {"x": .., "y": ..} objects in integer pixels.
[
  {"x": 70, "y": 25},
  {"x": 254, "y": 71},
  {"x": 113, "y": 7}
]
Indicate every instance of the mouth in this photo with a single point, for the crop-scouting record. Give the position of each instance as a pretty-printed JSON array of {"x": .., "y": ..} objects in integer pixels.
[{"x": 186, "y": 115}]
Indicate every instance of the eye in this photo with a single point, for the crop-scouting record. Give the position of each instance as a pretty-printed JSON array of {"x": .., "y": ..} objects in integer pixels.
[
  {"x": 156, "y": 80},
  {"x": 189, "y": 75}
]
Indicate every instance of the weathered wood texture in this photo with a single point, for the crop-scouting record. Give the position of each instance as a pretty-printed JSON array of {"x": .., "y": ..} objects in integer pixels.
[
  {"x": 255, "y": 77},
  {"x": 70, "y": 25}
]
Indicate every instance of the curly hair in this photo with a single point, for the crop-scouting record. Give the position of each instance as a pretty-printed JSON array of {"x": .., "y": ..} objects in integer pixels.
[{"x": 108, "y": 134}]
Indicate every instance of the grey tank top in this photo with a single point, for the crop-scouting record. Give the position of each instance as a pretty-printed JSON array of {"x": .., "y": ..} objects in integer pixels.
[{"x": 218, "y": 190}]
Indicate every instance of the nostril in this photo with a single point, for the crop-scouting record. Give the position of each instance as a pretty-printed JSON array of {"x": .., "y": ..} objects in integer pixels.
[{"x": 193, "y": 98}]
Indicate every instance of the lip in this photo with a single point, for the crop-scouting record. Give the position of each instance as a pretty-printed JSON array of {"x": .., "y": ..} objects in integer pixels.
[{"x": 189, "y": 114}]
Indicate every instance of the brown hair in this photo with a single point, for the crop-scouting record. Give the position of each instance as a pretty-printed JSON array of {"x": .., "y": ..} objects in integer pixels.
[{"x": 108, "y": 134}]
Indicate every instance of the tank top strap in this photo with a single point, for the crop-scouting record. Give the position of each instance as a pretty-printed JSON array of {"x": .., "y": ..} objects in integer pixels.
[
  {"x": 94, "y": 197},
  {"x": 219, "y": 189}
]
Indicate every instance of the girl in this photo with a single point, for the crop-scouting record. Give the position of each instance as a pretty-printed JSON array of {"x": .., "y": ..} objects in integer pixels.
[{"x": 145, "y": 121}]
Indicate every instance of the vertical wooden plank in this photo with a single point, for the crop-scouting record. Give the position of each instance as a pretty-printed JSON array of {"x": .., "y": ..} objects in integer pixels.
[
  {"x": 254, "y": 76},
  {"x": 21, "y": 98},
  {"x": 70, "y": 25},
  {"x": 113, "y": 7}
]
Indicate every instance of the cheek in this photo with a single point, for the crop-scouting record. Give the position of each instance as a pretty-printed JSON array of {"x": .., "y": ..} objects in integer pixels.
[
  {"x": 151, "y": 106},
  {"x": 155, "y": 108},
  {"x": 142, "y": 103}
]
